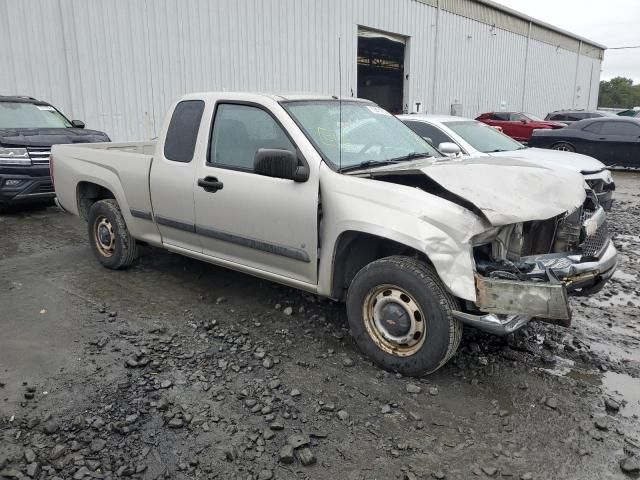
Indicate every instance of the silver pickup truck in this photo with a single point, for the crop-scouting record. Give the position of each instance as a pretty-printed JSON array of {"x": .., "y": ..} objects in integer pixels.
[{"x": 341, "y": 199}]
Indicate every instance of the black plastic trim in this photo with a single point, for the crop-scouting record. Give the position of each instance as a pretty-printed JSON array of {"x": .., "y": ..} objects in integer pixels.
[
  {"x": 143, "y": 214},
  {"x": 282, "y": 250},
  {"x": 178, "y": 225}
]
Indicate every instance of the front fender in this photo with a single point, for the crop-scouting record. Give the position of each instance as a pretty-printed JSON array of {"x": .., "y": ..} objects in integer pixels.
[{"x": 440, "y": 229}]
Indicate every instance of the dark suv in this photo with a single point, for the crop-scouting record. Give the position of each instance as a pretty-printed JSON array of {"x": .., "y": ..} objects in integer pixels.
[
  {"x": 28, "y": 129},
  {"x": 570, "y": 116}
]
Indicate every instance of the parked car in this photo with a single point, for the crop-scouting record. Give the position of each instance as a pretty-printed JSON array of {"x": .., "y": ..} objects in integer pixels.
[
  {"x": 632, "y": 112},
  {"x": 570, "y": 116},
  {"x": 28, "y": 129},
  {"x": 476, "y": 139},
  {"x": 517, "y": 125},
  {"x": 615, "y": 141},
  {"x": 341, "y": 199}
]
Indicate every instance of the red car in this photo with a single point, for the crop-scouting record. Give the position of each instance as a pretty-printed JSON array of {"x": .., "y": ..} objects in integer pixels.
[{"x": 518, "y": 126}]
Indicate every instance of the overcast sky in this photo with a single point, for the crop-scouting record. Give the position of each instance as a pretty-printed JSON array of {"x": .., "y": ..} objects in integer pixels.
[{"x": 613, "y": 23}]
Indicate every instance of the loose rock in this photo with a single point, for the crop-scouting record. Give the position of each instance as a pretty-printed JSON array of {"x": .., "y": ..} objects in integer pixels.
[
  {"x": 306, "y": 457},
  {"x": 286, "y": 454}
]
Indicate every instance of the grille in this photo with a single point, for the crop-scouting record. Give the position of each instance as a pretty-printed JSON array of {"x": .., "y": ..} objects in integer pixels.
[
  {"x": 44, "y": 187},
  {"x": 594, "y": 244},
  {"x": 39, "y": 155}
]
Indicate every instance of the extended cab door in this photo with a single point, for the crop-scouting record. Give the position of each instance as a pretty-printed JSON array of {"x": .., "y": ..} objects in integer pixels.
[
  {"x": 263, "y": 223},
  {"x": 172, "y": 177}
]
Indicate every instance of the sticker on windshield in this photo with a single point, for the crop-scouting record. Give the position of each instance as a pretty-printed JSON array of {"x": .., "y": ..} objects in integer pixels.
[
  {"x": 378, "y": 110},
  {"x": 328, "y": 137},
  {"x": 46, "y": 108}
]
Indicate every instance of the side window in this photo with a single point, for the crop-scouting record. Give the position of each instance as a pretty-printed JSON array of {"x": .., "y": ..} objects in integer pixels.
[
  {"x": 595, "y": 127},
  {"x": 558, "y": 118},
  {"x": 239, "y": 131},
  {"x": 626, "y": 129},
  {"x": 180, "y": 142},
  {"x": 432, "y": 134},
  {"x": 516, "y": 117},
  {"x": 500, "y": 116}
]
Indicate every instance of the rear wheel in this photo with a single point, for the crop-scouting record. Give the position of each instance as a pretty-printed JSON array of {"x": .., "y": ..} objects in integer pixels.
[
  {"x": 400, "y": 315},
  {"x": 110, "y": 240},
  {"x": 564, "y": 147}
]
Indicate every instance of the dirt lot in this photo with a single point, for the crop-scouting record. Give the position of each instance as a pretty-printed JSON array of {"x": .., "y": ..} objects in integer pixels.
[{"x": 178, "y": 369}]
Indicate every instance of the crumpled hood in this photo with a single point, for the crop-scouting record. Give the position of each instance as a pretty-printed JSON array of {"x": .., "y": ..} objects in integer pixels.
[
  {"x": 45, "y": 137},
  {"x": 505, "y": 190},
  {"x": 555, "y": 159}
]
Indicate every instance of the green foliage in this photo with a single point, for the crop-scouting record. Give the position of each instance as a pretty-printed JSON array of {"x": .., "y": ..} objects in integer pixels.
[{"x": 619, "y": 92}]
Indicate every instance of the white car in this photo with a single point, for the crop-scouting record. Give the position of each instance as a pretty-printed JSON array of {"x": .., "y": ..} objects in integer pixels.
[{"x": 452, "y": 135}]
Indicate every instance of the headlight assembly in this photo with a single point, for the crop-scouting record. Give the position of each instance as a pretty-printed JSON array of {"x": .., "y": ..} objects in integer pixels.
[{"x": 14, "y": 156}]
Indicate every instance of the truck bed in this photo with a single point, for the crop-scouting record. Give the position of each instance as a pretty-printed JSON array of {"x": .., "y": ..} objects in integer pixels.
[{"x": 122, "y": 168}]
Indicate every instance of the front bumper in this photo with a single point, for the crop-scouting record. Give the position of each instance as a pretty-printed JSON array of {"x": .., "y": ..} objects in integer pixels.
[
  {"x": 504, "y": 305},
  {"x": 18, "y": 188}
]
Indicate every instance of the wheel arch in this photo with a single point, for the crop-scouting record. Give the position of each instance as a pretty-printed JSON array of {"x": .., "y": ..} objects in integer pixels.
[
  {"x": 88, "y": 193},
  {"x": 354, "y": 249},
  {"x": 560, "y": 142}
]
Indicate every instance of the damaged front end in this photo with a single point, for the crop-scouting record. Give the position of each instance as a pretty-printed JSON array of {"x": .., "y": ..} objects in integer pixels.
[{"x": 527, "y": 270}]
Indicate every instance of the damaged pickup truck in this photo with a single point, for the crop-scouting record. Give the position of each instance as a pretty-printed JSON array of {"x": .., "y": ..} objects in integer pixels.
[{"x": 341, "y": 199}]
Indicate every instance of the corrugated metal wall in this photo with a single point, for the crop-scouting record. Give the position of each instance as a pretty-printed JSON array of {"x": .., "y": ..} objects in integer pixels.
[{"x": 118, "y": 64}]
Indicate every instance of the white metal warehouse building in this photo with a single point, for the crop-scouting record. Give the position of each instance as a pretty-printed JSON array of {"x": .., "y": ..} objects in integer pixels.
[{"x": 119, "y": 64}]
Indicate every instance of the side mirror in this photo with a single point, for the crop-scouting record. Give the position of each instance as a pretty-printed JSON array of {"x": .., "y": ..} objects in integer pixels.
[
  {"x": 77, "y": 123},
  {"x": 273, "y": 162},
  {"x": 449, "y": 148},
  {"x": 524, "y": 121}
]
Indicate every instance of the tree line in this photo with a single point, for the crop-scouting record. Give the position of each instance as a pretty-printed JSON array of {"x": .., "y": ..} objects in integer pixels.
[{"x": 619, "y": 92}]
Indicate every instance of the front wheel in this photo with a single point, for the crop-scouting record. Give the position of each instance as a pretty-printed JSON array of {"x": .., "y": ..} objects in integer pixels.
[
  {"x": 400, "y": 315},
  {"x": 564, "y": 147},
  {"x": 110, "y": 240}
]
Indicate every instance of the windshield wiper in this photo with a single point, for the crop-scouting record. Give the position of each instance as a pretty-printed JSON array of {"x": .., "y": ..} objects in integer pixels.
[
  {"x": 411, "y": 156},
  {"x": 368, "y": 163},
  {"x": 379, "y": 163}
]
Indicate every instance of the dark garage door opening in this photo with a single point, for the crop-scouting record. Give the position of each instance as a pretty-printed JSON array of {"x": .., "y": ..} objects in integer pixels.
[{"x": 381, "y": 69}]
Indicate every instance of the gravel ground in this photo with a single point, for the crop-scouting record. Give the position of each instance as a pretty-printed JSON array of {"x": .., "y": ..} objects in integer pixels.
[{"x": 179, "y": 369}]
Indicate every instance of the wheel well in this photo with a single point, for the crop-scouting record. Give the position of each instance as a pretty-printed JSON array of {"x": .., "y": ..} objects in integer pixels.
[
  {"x": 354, "y": 250},
  {"x": 560, "y": 142},
  {"x": 89, "y": 193}
]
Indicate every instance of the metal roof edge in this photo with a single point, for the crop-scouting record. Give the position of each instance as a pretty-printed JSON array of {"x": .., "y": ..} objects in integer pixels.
[{"x": 523, "y": 16}]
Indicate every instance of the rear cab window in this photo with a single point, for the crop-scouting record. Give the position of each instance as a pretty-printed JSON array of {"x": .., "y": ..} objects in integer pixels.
[{"x": 180, "y": 141}]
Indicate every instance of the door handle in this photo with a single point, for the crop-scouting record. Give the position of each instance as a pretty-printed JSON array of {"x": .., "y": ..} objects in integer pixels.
[{"x": 210, "y": 184}]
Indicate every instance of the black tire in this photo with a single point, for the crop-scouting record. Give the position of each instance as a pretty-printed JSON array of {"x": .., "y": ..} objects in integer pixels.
[
  {"x": 441, "y": 332},
  {"x": 121, "y": 250},
  {"x": 563, "y": 147}
]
